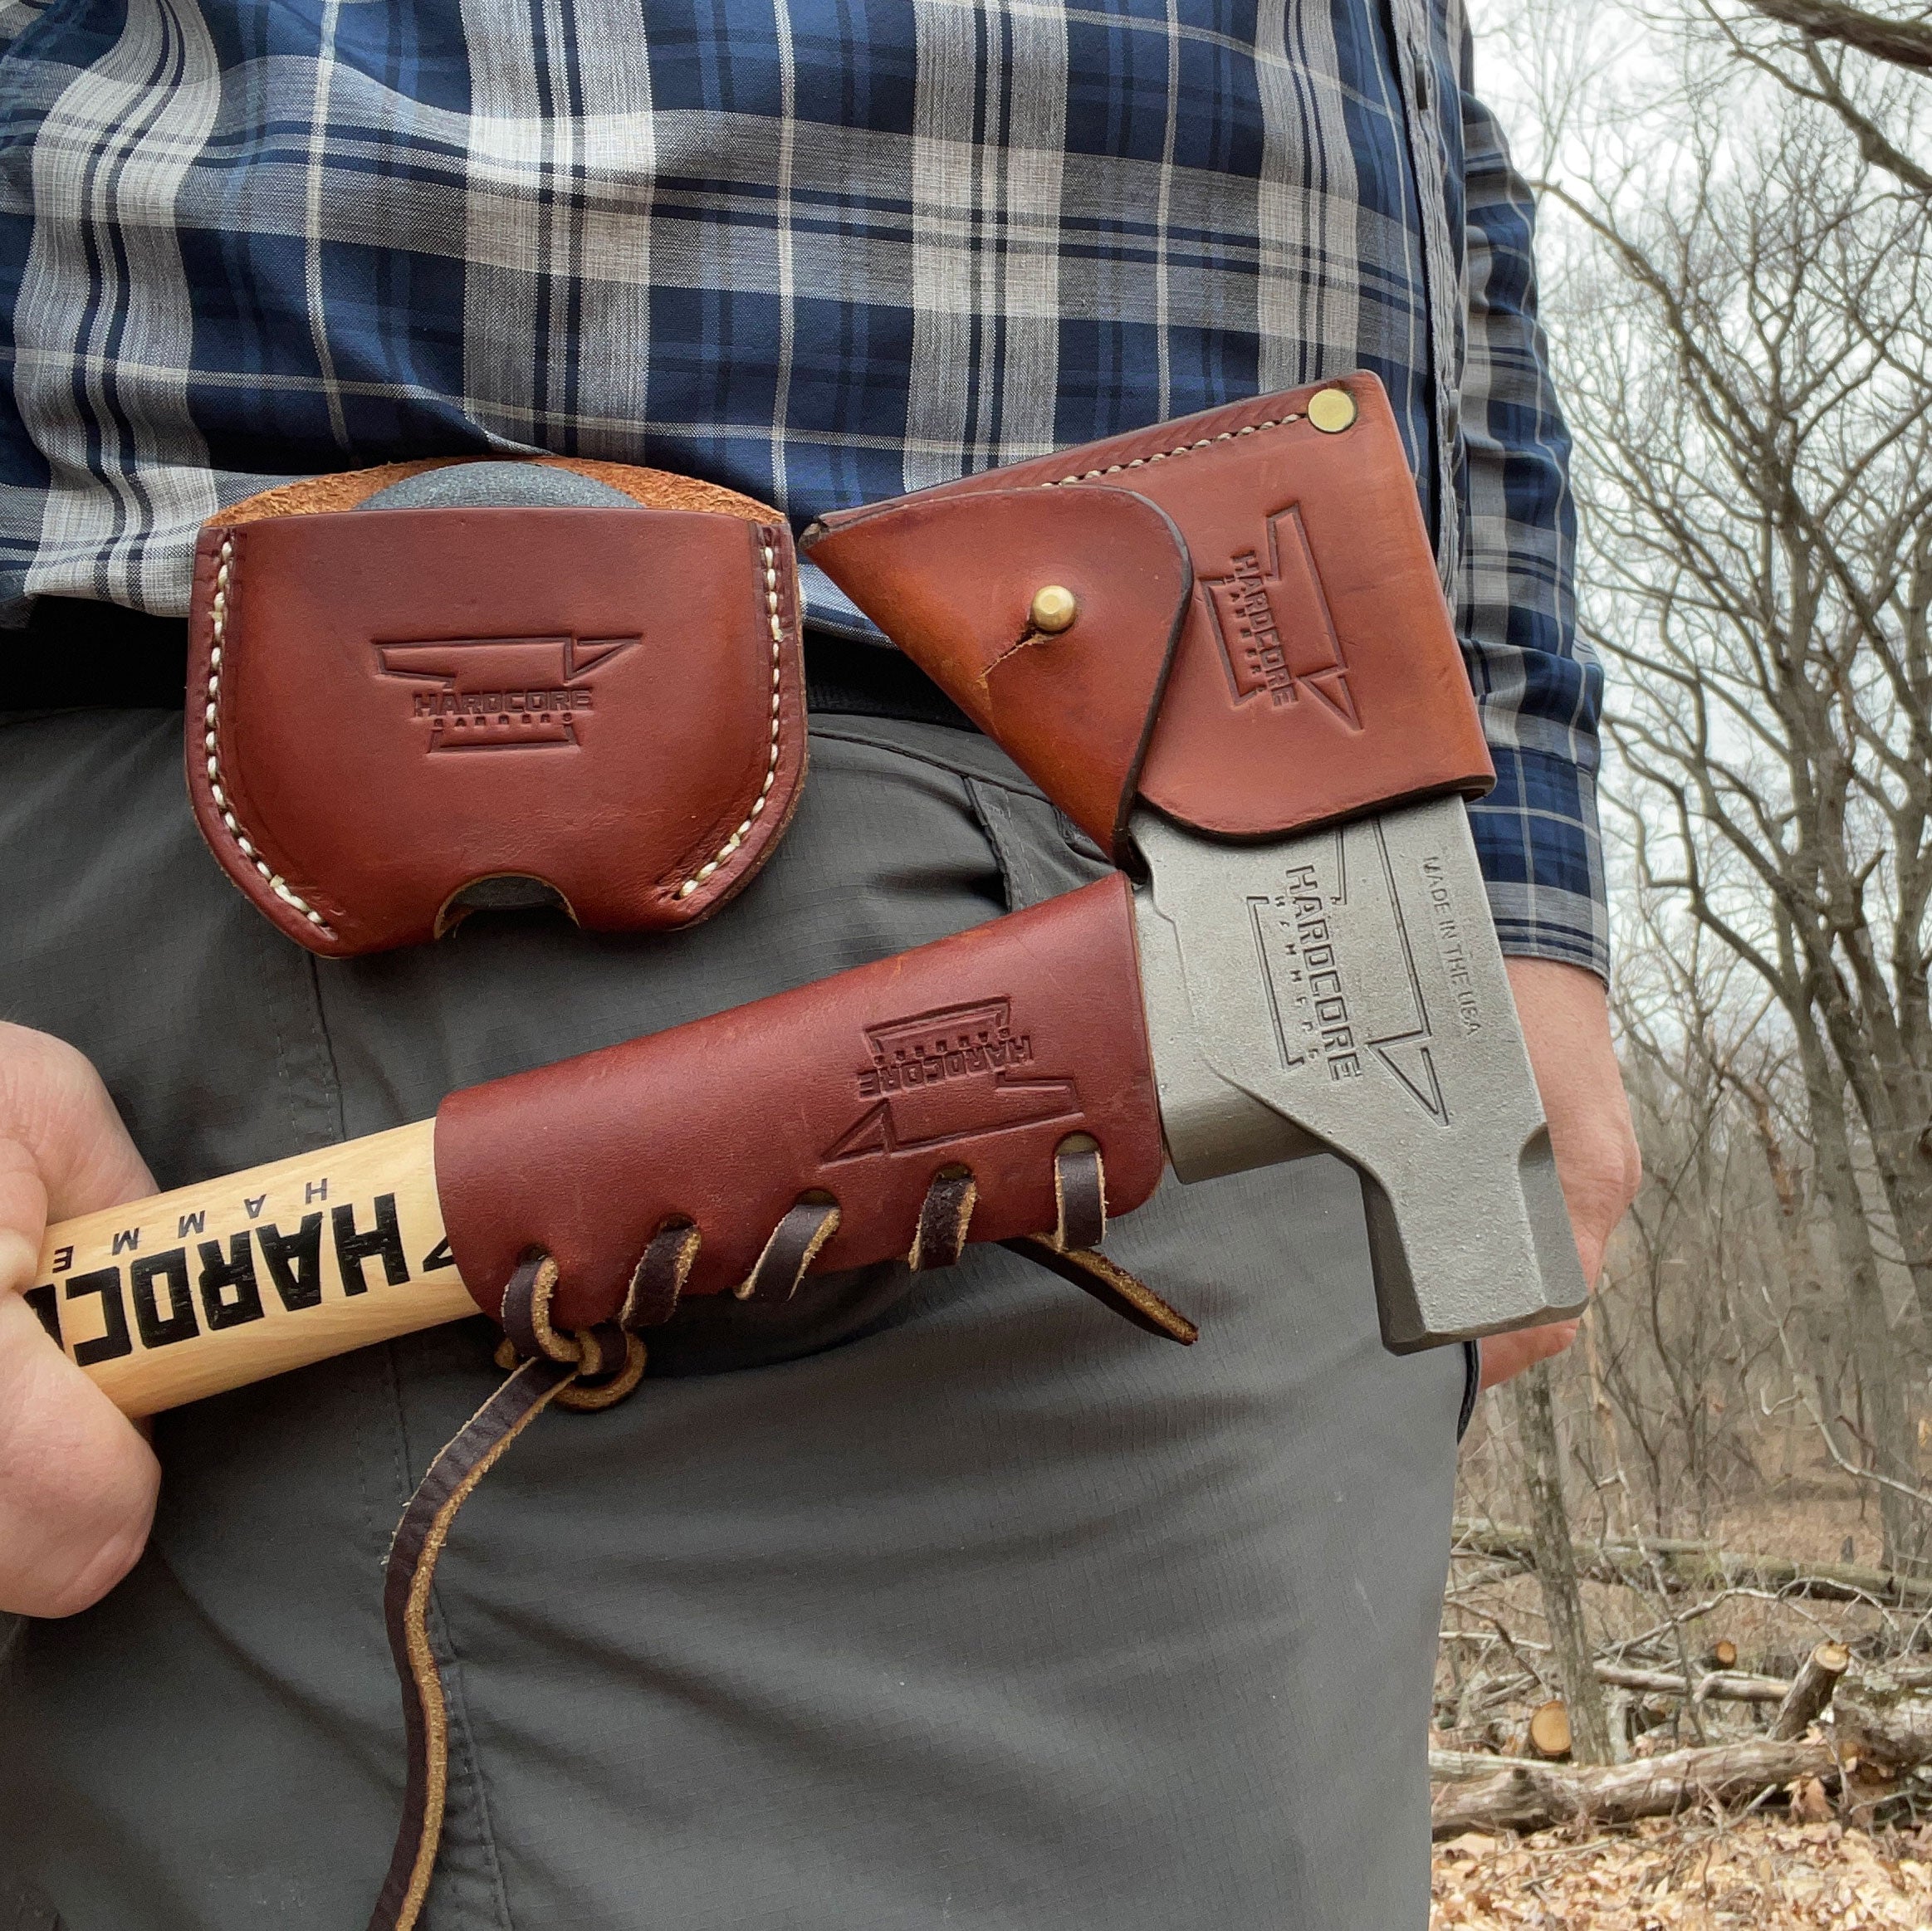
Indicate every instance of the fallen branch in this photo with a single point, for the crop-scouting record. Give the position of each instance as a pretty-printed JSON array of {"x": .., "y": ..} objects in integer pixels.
[
  {"x": 1882, "y": 1723},
  {"x": 1727, "y": 1685},
  {"x": 1684, "y": 1565},
  {"x": 1465, "y": 1766},
  {"x": 1534, "y": 1796}
]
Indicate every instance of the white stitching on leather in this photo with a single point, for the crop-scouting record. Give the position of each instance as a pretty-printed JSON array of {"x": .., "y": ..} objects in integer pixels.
[
  {"x": 223, "y": 574},
  {"x": 737, "y": 837},
  {"x": 209, "y": 718},
  {"x": 1161, "y": 456}
]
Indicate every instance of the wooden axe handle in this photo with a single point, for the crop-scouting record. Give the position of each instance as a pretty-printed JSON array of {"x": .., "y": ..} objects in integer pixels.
[{"x": 165, "y": 1300}]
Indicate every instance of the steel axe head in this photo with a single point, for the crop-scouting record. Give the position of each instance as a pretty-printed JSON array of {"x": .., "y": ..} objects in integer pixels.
[{"x": 1342, "y": 991}]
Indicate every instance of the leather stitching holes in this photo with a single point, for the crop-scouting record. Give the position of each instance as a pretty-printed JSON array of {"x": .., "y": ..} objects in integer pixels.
[
  {"x": 777, "y": 626},
  {"x": 1161, "y": 455},
  {"x": 219, "y": 623}
]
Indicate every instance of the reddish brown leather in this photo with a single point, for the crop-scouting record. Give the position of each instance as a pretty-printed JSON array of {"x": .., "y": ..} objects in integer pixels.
[
  {"x": 1316, "y": 673},
  {"x": 1042, "y": 697},
  {"x": 407, "y": 703},
  {"x": 1024, "y": 1031}
]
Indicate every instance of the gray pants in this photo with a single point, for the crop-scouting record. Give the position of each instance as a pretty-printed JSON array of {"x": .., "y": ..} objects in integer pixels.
[{"x": 954, "y": 1601}]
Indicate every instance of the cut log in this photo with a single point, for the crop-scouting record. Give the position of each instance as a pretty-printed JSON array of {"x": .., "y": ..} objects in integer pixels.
[
  {"x": 1534, "y": 1796},
  {"x": 1550, "y": 1728},
  {"x": 1687, "y": 1565},
  {"x": 1723, "y": 1655},
  {"x": 1726, "y": 1685},
  {"x": 1811, "y": 1690}
]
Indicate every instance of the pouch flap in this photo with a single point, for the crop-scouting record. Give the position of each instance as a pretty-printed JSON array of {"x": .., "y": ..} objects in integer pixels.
[{"x": 952, "y": 580}]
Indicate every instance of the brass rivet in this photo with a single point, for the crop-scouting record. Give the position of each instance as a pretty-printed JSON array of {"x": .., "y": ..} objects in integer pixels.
[
  {"x": 1054, "y": 607},
  {"x": 1331, "y": 410}
]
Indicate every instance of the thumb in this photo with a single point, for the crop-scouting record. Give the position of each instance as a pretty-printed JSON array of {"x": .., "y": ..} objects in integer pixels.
[
  {"x": 63, "y": 1149},
  {"x": 78, "y": 1482}
]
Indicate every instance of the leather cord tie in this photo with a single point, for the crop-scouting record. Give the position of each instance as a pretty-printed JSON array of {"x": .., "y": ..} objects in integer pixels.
[
  {"x": 794, "y": 1246},
  {"x": 594, "y": 1367},
  {"x": 659, "y": 1277},
  {"x": 1071, "y": 1250},
  {"x": 944, "y": 1217},
  {"x": 590, "y": 1368}
]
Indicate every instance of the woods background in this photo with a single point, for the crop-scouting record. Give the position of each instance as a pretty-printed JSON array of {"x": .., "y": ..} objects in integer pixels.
[{"x": 1729, "y": 1469}]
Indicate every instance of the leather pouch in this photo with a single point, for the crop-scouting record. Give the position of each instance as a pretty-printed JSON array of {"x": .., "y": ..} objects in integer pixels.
[
  {"x": 1258, "y": 639},
  {"x": 418, "y": 690}
]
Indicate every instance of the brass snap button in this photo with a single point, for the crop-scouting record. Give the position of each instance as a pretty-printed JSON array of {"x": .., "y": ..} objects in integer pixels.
[
  {"x": 1331, "y": 410},
  {"x": 1054, "y": 607}
]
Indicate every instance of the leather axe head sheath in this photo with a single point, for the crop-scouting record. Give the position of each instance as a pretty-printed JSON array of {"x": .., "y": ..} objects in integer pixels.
[{"x": 1236, "y": 617}]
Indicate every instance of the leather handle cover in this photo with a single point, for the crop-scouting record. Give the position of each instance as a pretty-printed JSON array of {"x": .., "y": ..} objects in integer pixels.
[
  {"x": 1302, "y": 667},
  {"x": 986, "y": 1050}
]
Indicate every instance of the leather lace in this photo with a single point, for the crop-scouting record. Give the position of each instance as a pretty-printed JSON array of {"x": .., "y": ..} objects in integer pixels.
[{"x": 592, "y": 1368}]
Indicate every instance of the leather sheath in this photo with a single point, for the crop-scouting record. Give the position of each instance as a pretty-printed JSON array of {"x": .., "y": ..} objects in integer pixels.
[
  {"x": 986, "y": 1051},
  {"x": 1260, "y": 642},
  {"x": 397, "y": 713}
]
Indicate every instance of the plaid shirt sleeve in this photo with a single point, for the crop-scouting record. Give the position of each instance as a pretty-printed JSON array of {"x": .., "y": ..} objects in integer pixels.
[{"x": 1540, "y": 688}]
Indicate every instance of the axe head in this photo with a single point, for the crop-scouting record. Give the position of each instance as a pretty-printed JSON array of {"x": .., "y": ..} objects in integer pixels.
[{"x": 1342, "y": 991}]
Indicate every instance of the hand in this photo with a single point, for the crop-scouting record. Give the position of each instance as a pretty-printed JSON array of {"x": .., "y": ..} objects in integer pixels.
[
  {"x": 77, "y": 1480},
  {"x": 1566, "y": 1024}
]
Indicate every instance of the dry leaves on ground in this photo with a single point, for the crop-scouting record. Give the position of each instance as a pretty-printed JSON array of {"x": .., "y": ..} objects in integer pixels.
[{"x": 1767, "y": 1874}]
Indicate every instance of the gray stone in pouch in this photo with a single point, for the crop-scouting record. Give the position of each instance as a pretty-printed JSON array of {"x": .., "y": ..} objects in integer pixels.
[{"x": 473, "y": 486}]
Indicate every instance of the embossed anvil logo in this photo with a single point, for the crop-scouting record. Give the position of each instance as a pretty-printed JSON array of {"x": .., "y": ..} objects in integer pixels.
[
  {"x": 497, "y": 693},
  {"x": 947, "y": 1075},
  {"x": 1277, "y": 634}
]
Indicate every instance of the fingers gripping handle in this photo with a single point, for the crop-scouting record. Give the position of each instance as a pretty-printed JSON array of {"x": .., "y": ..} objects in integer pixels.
[{"x": 986, "y": 1051}]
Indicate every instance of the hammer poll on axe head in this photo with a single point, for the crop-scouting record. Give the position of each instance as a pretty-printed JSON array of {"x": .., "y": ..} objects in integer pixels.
[{"x": 1342, "y": 992}]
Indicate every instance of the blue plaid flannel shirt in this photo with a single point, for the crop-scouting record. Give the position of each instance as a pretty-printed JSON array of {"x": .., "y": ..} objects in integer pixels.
[{"x": 821, "y": 250}]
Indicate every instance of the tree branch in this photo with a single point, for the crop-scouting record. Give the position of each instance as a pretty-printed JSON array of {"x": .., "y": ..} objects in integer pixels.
[{"x": 1905, "y": 43}]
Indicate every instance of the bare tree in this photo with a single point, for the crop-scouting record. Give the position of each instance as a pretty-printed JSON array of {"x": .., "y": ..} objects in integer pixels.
[
  {"x": 1556, "y": 1568},
  {"x": 1679, "y": 1339},
  {"x": 1754, "y": 393},
  {"x": 1846, "y": 60},
  {"x": 1734, "y": 234},
  {"x": 1904, "y": 42}
]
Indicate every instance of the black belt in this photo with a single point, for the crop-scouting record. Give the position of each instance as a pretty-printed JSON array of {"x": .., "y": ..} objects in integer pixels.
[{"x": 74, "y": 654}]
